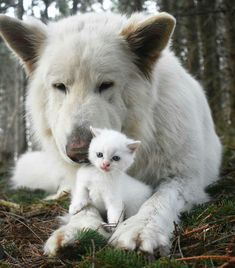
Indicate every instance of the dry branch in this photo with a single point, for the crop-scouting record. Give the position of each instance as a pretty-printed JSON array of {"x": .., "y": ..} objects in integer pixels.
[{"x": 208, "y": 257}]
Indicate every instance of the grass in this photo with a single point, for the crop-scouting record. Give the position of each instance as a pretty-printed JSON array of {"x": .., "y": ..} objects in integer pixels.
[{"x": 205, "y": 237}]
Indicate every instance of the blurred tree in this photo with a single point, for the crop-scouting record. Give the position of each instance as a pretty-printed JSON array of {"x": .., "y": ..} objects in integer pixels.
[
  {"x": 12, "y": 92},
  {"x": 192, "y": 42},
  {"x": 20, "y": 142},
  {"x": 44, "y": 12},
  {"x": 75, "y": 7},
  {"x": 229, "y": 19},
  {"x": 210, "y": 73},
  {"x": 178, "y": 39},
  {"x": 63, "y": 7},
  {"x": 128, "y": 7},
  {"x": 6, "y": 4}
]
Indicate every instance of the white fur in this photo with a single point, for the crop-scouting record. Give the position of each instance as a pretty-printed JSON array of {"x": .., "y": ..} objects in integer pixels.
[
  {"x": 180, "y": 152},
  {"x": 87, "y": 219},
  {"x": 40, "y": 167},
  {"x": 112, "y": 191}
]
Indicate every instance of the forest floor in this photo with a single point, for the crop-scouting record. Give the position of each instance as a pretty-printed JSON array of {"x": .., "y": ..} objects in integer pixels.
[{"x": 204, "y": 238}]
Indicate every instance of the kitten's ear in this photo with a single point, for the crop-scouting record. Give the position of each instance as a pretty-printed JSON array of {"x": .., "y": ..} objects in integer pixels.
[
  {"x": 133, "y": 146},
  {"x": 95, "y": 131}
]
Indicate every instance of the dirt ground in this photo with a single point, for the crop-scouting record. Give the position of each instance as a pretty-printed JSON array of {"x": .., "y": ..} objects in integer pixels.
[{"x": 205, "y": 237}]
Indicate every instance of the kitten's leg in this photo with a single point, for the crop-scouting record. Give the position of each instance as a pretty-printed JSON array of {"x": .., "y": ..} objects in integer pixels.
[
  {"x": 80, "y": 199},
  {"x": 88, "y": 218},
  {"x": 115, "y": 210},
  {"x": 152, "y": 227}
]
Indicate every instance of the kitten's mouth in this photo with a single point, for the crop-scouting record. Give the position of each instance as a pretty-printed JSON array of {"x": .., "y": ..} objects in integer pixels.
[{"x": 106, "y": 169}]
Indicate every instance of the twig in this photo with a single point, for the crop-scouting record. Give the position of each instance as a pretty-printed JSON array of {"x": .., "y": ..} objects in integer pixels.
[
  {"x": 225, "y": 265},
  {"x": 93, "y": 253},
  {"x": 203, "y": 212},
  {"x": 16, "y": 262},
  {"x": 217, "y": 240},
  {"x": 208, "y": 257},
  {"x": 207, "y": 217},
  {"x": 29, "y": 229},
  {"x": 179, "y": 247},
  {"x": 17, "y": 219},
  {"x": 196, "y": 230},
  {"x": 8, "y": 204}
]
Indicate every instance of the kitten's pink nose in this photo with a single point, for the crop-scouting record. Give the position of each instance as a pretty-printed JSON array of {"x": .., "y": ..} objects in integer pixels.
[{"x": 105, "y": 165}]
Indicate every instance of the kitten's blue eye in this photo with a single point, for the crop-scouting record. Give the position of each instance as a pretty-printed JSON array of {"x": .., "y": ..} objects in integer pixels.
[
  {"x": 99, "y": 155},
  {"x": 116, "y": 158}
]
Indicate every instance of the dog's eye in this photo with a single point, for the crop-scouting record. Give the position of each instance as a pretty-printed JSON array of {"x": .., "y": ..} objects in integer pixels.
[
  {"x": 116, "y": 158},
  {"x": 99, "y": 155},
  {"x": 60, "y": 87},
  {"x": 105, "y": 85}
]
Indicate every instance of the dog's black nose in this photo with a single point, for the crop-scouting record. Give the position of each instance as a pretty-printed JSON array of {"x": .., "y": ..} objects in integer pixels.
[{"x": 78, "y": 144}]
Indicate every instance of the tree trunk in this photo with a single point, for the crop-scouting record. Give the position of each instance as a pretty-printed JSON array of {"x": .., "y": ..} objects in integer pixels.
[
  {"x": 174, "y": 8},
  {"x": 229, "y": 19},
  {"x": 20, "y": 143},
  {"x": 211, "y": 69},
  {"x": 44, "y": 13},
  {"x": 20, "y": 9},
  {"x": 75, "y": 7},
  {"x": 193, "y": 57},
  {"x": 125, "y": 6}
]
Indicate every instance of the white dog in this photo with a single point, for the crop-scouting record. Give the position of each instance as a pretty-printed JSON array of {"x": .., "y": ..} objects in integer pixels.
[{"x": 110, "y": 71}]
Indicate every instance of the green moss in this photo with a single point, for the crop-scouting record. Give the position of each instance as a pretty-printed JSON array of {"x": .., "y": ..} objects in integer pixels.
[
  {"x": 26, "y": 196},
  {"x": 209, "y": 212},
  {"x": 115, "y": 258},
  {"x": 166, "y": 263}
]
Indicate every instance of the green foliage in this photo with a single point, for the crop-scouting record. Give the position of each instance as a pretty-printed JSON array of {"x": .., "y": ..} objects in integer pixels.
[
  {"x": 115, "y": 258},
  {"x": 26, "y": 196},
  {"x": 216, "y": 210},
  {"x": 87, "y": 238},
  {"x": 166, "y": 263}
]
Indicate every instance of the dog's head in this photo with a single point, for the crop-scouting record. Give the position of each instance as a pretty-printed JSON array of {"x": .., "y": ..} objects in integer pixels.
[{"x": 88, "y": 70}]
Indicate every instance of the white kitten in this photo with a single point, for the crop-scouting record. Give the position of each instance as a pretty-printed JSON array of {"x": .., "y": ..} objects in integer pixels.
[{"x": 105, "y": 184}]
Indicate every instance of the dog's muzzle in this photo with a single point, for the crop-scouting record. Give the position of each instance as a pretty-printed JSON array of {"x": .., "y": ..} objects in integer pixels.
[{"x": 78, "y": 144}]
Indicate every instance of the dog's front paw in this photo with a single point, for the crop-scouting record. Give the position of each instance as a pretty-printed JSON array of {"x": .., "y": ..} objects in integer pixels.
[
  {"x": 58, "y": 239},
  {"x": 88, "y": 218},
  {"x": 141, "y": 234},
  {"x": 62, "y": 192}
]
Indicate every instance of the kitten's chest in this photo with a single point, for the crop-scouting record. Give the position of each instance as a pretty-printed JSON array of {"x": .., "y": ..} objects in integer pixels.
[
  {"x": 97, "y": 199},
  {"x": 99, "y": 189}
]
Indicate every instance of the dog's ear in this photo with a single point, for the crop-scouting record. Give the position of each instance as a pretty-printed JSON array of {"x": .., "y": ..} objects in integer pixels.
[
  {"x": 148, "y": 38},
  {"x": 26, "y": 40}
]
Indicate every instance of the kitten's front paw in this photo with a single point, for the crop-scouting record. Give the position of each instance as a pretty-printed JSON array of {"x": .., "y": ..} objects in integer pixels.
[{"x": 141, "y": 234}]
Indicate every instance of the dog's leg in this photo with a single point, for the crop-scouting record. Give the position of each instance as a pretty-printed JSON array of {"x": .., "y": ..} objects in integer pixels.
[
  {"x": 88, "y": 218},
  {"x": 35, "y": 170},
  {"x": 152, "y": 227},
  {"x": 62, "y": 191},
  {"x": 38, "y": 170}
]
